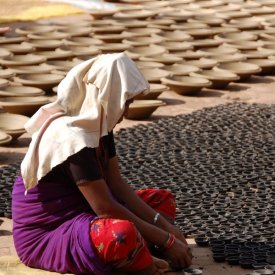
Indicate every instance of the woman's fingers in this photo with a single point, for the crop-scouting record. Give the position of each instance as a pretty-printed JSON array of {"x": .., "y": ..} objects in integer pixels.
[{"x": 161, "y": 264}]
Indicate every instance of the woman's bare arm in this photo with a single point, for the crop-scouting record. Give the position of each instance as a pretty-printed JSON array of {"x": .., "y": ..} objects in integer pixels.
[
  {"x": 105, "y": 206},
  {"x": 126, "y": 194}
]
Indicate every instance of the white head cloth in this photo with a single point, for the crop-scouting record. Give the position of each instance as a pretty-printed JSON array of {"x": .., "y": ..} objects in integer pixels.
[{"x": 90, "y": 101}]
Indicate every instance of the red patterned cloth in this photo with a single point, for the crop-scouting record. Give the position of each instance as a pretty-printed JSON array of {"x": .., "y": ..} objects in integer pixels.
[{"x": 119, "y": 243}]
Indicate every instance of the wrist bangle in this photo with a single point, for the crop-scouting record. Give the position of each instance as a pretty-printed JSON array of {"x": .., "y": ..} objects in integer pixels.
[
  {"x": 168, "y": 243},
  {"x": 156, "y": 218}
]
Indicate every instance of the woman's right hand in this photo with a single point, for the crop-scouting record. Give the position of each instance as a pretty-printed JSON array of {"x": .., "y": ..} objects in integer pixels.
[{"x": 179, "y": 255}]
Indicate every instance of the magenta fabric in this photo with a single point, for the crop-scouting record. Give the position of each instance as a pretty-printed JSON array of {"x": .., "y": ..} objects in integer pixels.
[{"x": 51, "y": 227}]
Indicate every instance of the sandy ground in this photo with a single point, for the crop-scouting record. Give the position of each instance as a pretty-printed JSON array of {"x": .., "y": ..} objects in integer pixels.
[{"x": 257, "y": 89}]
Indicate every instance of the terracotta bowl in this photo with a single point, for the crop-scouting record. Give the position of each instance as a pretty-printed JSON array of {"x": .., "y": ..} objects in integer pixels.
[
  {"x": 142, "y": 109},
  {"x": 43, "y": 81},
  {"x": 65, "y": 24},
  {"x": 4, "y": 53},
  {"x": 43, "y": 44},
  {"x": 270, "y": 46},
  {"x": 154, "y": 75},
  {"x": 205, "y": 43},
  {"x": 161, "y": 21},
  {"x": 181, "y": 69},
  {"x": 9, "y": 40},
  {"x": 200, "y": 33},
  {"x": 31, "y": 69},
  {"x": 134, "y": 14},
  {"x": 142, "y": 41},
  {"x": 266, "y": 36},
  {"x": 20, "y": 91},
  {"x": 101, "y": 13},
  {"x": 62, "y": 64},
  {"x": 236, "y": 36},
  {"x": 155, "y": 91},
  {"x": 13, "y": 124},
  {"x": 21, "y": 60},
  {"x": 173, "y": 46},
  {"x": 190, "y": 55},
  {"x": 219, "y": 78},
  {"x": 128, "y": 23},
  {"x": 240, "y": 14},
  {"x": 149, "y": 64},
  {"x": 4, "y": 138},
  {"x": 186, "y": 85},
  {"x": 244, "y": 45},
  {"x": 77, "y": 31},
  {"x": 48, "y": 36},
  {"x": 3, "y": 83},
  {"x": 222, "y": 30},
  {"x": 113, "y": 47},
  {"x": 82, "y": 41},
  {"x": 177, "y": 15},
  {"x": 226, "y": 58},
  {"x": 143, "y": 51},
  {"x": 83, "y": 50},
  {"x": 164, "y": 58},
  {"x": 189, "y": 26},
  {"x": 261, "y": 10},
  {"x": 112, "y": 38},
  {"x": 139, "y": 32},
  {"x": 243, "y": 25},
  {"x": 101, "y": 23},
  {"x": 6, "y": 73},
  {"x": 178, "y": 36},
  {"x": 243, "y": 69},
  {"x": 267, "y": 65},
  {"x": 209, "y": 20},
  {"x": 57, "y": 54},
  {"x": 23, "y": 105},
  {"x": 18, "y": 48},
  {"x": 259, "y": 53},
  {"x": 219, "y": 50},
  {"x": 202, "y": 63},
  {"x": 112, "y": 29},
  {"x": 35, "y": 29}
]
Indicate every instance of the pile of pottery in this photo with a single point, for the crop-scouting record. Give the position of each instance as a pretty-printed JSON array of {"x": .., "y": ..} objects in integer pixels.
[
  {"x": 185, "y": 45},
  {"x": 219, "y": 163}
]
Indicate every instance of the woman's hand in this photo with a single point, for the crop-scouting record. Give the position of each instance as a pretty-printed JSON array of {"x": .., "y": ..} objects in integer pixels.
[
  {"x": 179, "y": 255},
  {"x": 178, "y": 234}
]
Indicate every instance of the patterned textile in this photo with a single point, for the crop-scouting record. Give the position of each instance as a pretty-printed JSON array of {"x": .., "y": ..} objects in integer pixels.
[
  {"x": 162, "y": 201},
  {"x": 119, "y": 243}
]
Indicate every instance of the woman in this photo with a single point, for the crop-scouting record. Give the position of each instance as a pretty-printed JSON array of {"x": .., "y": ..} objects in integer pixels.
[{"x": 78, "y": 215}]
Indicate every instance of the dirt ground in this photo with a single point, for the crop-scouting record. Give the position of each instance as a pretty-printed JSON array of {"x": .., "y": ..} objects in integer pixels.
[{"x": 258, "y": 89}]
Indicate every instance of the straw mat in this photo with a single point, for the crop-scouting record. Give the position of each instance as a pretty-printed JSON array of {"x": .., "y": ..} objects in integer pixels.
[
  {"x": 31, "y": 10},
  {"x": 11, "y": 265}
]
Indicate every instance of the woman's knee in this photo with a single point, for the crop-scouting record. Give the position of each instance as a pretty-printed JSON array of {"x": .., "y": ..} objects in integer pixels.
[{"x": 114, "y": 239}]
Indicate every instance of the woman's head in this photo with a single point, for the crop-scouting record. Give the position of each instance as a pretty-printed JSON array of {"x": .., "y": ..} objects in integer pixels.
[{"x": 90, "y": 101}]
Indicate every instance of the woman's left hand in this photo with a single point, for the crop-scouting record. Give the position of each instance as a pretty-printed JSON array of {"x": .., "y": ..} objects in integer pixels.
[{"x": 178, "y": 234}]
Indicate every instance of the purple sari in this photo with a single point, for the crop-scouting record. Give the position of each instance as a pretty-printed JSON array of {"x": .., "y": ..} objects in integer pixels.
[{"x": 51, "y": 229}]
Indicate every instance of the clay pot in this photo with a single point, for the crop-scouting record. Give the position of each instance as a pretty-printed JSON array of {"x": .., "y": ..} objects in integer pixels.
[
  {"x": 186, "y": 85},
  {"x": 13, "y": 124}
]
